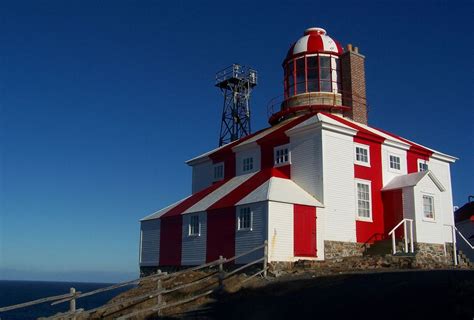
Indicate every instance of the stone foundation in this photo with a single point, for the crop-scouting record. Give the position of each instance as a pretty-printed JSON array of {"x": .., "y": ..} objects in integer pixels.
[
  {"x": 340, "y": 249},
  {"x": 431, "y": 254}
]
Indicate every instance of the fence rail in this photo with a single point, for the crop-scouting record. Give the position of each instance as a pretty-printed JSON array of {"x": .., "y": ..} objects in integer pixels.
[{"x": 160, "y": 291}]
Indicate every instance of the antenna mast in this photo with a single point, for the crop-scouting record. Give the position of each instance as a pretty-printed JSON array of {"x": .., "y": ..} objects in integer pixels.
[{"x": 236, "y": 83}]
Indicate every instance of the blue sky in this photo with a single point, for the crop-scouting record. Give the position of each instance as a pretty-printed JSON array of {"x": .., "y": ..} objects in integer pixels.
[{"x": 103, "y": 101}]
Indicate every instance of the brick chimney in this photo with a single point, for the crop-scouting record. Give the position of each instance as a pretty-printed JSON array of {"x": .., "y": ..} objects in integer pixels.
[{"x": 353, "y": 84}]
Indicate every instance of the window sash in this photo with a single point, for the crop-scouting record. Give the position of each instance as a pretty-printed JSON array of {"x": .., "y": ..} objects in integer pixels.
[
  {"x": 194, "y": 226},
  {"x": 428, "y": 207},
  {"x": 245, "y": 219},
  {"x": 395, "y": 162},
  {"x": 362, "y": 154},
  {"x": 363, "y": 200},
  {"x": 282, "y": 156},
  {"x": 247, "y": 164},
  {"x": 218, "y": 171}
]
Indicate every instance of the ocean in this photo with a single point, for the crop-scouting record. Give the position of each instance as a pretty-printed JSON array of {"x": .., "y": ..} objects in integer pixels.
[{"x": 14, "y": 292}]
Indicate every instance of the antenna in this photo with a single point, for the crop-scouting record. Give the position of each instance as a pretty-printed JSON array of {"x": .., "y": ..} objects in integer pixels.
[{"x": 236, "y": 83}]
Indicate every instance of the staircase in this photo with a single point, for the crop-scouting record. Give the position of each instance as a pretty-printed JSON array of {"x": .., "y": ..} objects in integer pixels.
[
  {"x": 384, "y": 247},
  {"x": 463, "y": 260}
]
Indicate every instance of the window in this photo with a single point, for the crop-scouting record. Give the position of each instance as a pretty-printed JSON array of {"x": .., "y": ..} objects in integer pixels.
[
  {"x": 394, "y": 162},
  {"x": 245, "y": 219},
  {"x": 247, "y": 164},
  {"x": 218, "y": 171},
  {"x": 362, "y": 156},
  {"x": 325, "y": 73},
  {"x": 300, "y": 76},
  {"x": 194, "y": 226},
  {"x": 428, "y": 207},
  {"x": 363, "y": 201},
  {"x": 422, "y": 165},
  {"x": 282, "y": 155}
]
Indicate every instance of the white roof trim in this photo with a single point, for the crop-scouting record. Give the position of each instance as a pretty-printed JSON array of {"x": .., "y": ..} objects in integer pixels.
[
  {"x": 161, "y": 212},
  {"x": 280, "y": 190},
  {"x": 412, "y": 179}
]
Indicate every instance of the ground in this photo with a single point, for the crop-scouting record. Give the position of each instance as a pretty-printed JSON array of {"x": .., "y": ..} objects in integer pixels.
[{"x": 379, "y": 294}]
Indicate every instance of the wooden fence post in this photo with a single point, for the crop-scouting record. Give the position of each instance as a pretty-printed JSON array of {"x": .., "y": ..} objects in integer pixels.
[
  {"x": 159, "y": 298},
  {"x": 265, "y": 259},
  {"x": 72, "y": 303},
  {"x": 221, "y": 273}
]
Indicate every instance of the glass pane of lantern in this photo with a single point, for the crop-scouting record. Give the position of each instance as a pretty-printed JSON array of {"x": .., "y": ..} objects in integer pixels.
[
  {"x": 312, "y": 62},
  {"x": 325, "y": 74},
  {"x": 313, "y": 86},
  {"x": 300, "y": 64},
  {"x": 325, "y": 62},
  {"x": 325, "y": 86}
]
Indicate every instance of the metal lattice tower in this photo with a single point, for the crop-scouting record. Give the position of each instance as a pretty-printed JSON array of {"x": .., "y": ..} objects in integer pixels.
[{"x": 236, "y": 83}]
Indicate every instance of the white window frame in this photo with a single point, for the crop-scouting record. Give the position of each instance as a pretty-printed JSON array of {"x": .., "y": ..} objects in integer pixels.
[
  {"x": 275, "y": 158},
  {"x": 190, "y": 226},
  {"x": 431, "y": 196},
  {"x": 239, "y": 219},
  {"x": 390, "y": 163},
  {"x": 247, "y": 164},
  {"x": 365, "y": 147},
  {"x": 368, "y": 183},
  {"x": 215, "y": 167},
  {"x": 421, "y": 162}
]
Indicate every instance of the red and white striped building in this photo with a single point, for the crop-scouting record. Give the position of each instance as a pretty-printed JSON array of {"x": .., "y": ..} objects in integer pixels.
[{"x": 317, "y": 180}]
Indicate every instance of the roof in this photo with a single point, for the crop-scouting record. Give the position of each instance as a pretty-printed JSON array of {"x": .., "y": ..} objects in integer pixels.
[
  {"x": 245, "y": 189},
  {"x": 412, "y": 179},
  {"x": 328, "y": 121},
  {"x": 466, "y": 212},
  {"x": 314, "y": 40},
  {"x": 281, "y": 190}
]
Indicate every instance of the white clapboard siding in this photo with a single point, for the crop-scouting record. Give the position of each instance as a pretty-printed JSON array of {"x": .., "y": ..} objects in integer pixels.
[
  {"x": 150, "y": 242},
  {"x": 246, "y": 240},
  {"x": 306, "y": 163},
  {"x": 203, "y": 176},
  {"x": 428, "y": 231},
  {"x": 339, "y": 187},
  {"x": 194, "y": 247},
  {"x": 387, "y": 173},
  {"x": 280, "y": 231},
  {"x": 247, "y": 153},
  {"x": 442, "y": 172}
]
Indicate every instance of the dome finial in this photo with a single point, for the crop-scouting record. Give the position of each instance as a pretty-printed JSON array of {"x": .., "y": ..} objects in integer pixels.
[{"x": 315, "y": 30}]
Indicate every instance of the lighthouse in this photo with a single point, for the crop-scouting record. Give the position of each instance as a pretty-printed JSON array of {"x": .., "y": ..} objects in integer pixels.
[
  {"x": 320, "y": 76},
  {"x": 318, "y": 184}
]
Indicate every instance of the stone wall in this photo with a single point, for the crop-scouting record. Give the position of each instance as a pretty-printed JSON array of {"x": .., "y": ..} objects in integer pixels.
[
  {"x": 432, "y": 254},
  {"x": 340, "y": 249}
]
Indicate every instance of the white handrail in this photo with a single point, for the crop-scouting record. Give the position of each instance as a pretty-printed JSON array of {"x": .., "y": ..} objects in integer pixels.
[
  {"x": 462, "y": 236},
  {"x": 392, "y": 232}
]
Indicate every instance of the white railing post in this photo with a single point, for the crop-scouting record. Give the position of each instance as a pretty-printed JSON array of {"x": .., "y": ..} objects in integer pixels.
[
  {"x": 405, "y": 235},
  {"x": 455, "y": 255},
  {"x": 394, "y": 245},
  {"x": 412, "y": 249}
]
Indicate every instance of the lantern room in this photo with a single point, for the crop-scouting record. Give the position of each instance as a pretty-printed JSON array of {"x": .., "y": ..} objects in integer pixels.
[{"x": 320, "y": 76}]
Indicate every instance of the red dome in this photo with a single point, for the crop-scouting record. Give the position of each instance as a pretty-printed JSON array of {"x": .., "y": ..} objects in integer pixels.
[{"x": 314, "y": 40}]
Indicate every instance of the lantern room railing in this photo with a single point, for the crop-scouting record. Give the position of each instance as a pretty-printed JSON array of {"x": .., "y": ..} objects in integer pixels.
[{"x": 320, "y": 100}]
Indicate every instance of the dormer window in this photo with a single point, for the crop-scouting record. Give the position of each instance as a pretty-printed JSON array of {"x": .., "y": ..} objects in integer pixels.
[
  {"x": 422, "y": 165},
  {"x": 281, "y": 155},
  {"x": 218, "y": 171},
  {"x": 395, "y": 163},
  {"x": 362, "y": 155},
  {"x": 247, "y": 164}
]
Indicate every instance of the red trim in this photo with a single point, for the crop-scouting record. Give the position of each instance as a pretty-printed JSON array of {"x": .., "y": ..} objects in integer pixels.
[
  {"x": 304, "y": 234},
  {"x": 171, "y": 240},
  {"x": 315, "y": 44},
  {"x": 361, "y": 132},
  {"x": 284, "y": 114}
]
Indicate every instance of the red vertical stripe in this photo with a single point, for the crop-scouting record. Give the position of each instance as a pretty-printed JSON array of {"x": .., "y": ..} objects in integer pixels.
[
  {"x": 393, "y": 210},
  {"x": 220, "y": 240},
  {"x": 170, "y": 240}
]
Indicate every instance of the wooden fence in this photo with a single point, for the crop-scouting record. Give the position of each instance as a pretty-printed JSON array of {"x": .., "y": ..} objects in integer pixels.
[{"x": 216, "y": 277}]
